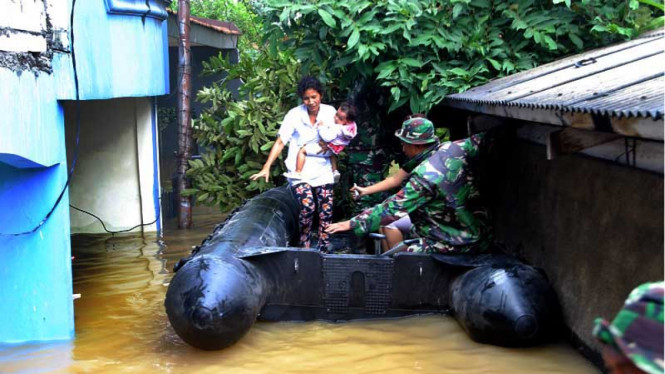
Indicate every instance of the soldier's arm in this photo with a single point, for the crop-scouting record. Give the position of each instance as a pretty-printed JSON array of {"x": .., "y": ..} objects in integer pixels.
[
  {"x": 411, "y": 197},
  {"x": 389, "y": 183}
]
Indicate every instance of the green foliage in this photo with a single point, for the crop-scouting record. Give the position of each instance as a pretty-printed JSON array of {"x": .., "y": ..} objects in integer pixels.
[
  {"x": 238, "y": 133},
  {"x": 166, "y": 117},
  {"x": 420, "y": 51},
  {"x": 240, "y": 13}
]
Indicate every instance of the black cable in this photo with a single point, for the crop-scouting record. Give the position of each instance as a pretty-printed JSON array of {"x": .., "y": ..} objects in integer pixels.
[
  {"x": 78, "y": 131},
  {"x": 104, "y": 226}
]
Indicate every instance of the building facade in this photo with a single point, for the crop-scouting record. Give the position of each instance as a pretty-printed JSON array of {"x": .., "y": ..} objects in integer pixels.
[{"x": 77, "y": 93}]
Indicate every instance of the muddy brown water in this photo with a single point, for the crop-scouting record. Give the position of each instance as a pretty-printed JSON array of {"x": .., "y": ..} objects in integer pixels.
[{"x": 121, "y": 327}]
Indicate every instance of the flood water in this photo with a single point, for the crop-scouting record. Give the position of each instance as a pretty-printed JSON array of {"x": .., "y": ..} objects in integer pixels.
[{"x": 121, "y": 327}]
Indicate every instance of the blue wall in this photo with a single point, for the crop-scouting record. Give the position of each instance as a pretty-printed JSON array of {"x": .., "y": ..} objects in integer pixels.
[
  {"x": 36, "y": 290},
  {"x": 117, "y": 56},
  {"x": 35, "y": 271}
]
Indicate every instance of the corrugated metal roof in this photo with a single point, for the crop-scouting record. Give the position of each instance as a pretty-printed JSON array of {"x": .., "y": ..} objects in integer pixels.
[
  {"x": 220, "y": 26},
  {"x": 622, "y": 80}
]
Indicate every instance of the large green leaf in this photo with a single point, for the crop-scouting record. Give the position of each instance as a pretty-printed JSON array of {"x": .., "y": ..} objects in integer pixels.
[{"x": 327, "y": 18}]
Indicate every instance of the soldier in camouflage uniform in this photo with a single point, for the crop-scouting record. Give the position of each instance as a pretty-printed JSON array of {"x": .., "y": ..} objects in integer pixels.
[
  {"x": 441, "y": 196},
  {"x": 367, "y": 162},
  {"x": 369, "y": 153},
  {"x": 634, "y": 339}
]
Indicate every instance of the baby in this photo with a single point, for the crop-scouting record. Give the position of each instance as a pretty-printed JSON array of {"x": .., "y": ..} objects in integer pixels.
[{"x": 334, "y": 137}]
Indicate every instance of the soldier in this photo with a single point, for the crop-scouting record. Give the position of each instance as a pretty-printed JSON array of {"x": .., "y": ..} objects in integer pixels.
[
  {"x": 633, "y": 342},
  {"x": 441, "y": 196}
]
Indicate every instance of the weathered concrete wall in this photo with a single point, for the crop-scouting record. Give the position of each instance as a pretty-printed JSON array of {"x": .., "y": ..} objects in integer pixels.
[
  {"x": 36, "y": 286},
  {"x": 594, "y": 226},
  {"x": 115, "y": 176},
  {"x": 31, "y": 31},
  {"x": 117, "y": 55}
]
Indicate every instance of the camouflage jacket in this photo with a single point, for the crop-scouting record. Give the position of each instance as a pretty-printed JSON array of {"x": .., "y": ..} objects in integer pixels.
[
  {"x": 637, "y": 330},
  {"x": 442, "y": 201}
]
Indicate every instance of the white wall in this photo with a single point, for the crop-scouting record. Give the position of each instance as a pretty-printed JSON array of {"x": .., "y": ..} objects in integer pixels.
[
  {"x": 115, "y": 172},
  {"x": 26, "y": 24}
]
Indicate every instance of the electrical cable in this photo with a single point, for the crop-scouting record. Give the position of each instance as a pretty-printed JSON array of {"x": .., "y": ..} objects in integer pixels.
[
  {"x": 104, "y": 226},
  {"x": 76, "y": 147}
]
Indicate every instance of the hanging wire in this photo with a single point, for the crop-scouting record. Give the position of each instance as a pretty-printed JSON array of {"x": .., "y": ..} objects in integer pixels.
[{"x": 104, "y": 226}]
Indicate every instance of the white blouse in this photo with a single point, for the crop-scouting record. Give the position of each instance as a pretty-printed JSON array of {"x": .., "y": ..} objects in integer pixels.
[{"x": 297, "y": 130}]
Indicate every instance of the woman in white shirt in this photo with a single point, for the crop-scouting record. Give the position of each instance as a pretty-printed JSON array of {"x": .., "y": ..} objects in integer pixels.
[{"x": 315, "y": 188}]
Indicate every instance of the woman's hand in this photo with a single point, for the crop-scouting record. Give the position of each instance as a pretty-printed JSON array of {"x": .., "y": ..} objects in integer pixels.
[
  {"x": 264, "y": 173},
  {"x": 274, "y": 152},
  {"x": 338, "y": 227},
  {"x": 358, "y": 192}
]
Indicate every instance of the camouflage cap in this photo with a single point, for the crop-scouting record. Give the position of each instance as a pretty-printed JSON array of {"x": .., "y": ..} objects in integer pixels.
[
  {"x": 417, "y": 131},
  {"x": 637, "y": 330}
]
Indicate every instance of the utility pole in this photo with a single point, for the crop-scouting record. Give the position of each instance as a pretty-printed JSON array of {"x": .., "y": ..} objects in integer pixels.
[{"x": 184, "y": 115}]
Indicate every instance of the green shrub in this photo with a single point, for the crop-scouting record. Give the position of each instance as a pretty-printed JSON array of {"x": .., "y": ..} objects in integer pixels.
[
  {"x": 237, "y": 133},
  {"x": 420, "y": 51}
]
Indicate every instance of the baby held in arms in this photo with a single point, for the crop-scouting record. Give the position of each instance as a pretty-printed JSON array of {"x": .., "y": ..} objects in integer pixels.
[{"x": 334, "y": 137}]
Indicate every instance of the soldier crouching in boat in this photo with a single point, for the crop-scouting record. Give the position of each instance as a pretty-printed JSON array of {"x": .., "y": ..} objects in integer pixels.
[{"x": 441, "y": 196}]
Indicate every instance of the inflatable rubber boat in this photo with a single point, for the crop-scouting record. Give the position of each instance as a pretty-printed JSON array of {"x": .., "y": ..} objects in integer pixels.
[{"x": 247, "y": 270}]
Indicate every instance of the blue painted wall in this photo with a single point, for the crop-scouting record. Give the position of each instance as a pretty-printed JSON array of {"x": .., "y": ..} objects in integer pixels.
[
  {"x": 36, "y": 289},
  {"x": 117, "y": 56},
  {"x": 35, "y": 271}
]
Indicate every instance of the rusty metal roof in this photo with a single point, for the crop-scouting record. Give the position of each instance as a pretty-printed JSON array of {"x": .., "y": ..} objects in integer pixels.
[
  {"x": 622, "y": 80},
  {"x": 223, "y": 27},
  {"x": 220, "y": 26}
]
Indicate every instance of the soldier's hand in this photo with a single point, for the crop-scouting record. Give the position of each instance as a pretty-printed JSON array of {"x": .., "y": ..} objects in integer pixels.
[
  {"x": 338, "y": 227},
  {"x": 358, "y": 192},
  {"x": 262, "y": 174}
]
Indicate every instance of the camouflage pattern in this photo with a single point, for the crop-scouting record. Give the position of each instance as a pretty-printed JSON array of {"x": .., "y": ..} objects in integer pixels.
[
  {"x": 442, "y": 201},
  {"x": 411, "y": 164},
  {"x": 417, "y": 131},
  {"x": 368, "y": 162},
  {"x": 637, "y": 330}
]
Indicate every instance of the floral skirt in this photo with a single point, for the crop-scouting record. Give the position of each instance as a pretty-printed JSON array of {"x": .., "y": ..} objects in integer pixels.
[{"x": 313, "y": 199}]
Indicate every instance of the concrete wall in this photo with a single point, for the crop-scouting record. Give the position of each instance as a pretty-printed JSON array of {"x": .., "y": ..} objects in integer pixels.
[
  {"x": 119, "y": 55},
  {"x": 594, "y": 226},
  {"x": 35, "y": 272},
  {"x": 116, "y": 55},
  {"x": 115, "y": 176}
]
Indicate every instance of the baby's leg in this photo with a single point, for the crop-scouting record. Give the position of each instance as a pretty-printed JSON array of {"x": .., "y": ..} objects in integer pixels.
[
  {"x": 314, "y": 149},
  {"x": 300, "y": 161},
  {"x": 333, "y": 162}
]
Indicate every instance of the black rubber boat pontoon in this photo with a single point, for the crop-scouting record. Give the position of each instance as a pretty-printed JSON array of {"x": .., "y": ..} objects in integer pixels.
[{"x": 245, "y": 270}]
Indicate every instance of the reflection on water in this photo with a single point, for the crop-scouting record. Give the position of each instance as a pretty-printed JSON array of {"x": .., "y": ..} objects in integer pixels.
[{"x": 121, "y": 326}]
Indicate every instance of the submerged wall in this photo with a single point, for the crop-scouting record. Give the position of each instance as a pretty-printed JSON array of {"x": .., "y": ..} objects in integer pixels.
[
  {"x": 116, "y": 172},
  {"x": 35, "y": 271},
  {"x": 118, "y": 52},
  {"x": 594, "y": 226}
]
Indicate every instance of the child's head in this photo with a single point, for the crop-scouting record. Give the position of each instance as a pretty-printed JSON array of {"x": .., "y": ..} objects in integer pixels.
[{"x": 345, "y": 114}]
